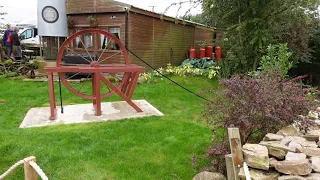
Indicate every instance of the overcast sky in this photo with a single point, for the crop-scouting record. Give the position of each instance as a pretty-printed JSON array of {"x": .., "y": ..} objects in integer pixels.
[{"x": 26, "y": 10}]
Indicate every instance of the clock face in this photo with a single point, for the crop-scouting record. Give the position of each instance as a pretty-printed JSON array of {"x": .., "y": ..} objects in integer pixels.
[{"x": 50, "y": 14}]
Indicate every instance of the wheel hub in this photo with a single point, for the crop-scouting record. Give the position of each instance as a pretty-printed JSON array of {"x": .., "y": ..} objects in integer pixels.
[{"x": 95, "y": 64}]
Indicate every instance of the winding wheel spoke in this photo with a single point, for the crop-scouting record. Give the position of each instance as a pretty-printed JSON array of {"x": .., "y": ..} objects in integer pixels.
[
  {"x": 84, "y": 83},
  {"x": 83, "y": 45},
  {"x": 84, "y": 55},
  {"x": 104, "y": 49},
  {"x": 73, "y": 76},
  {"x": 78, "y": 55},
  {"x": 110, "y": 57}
]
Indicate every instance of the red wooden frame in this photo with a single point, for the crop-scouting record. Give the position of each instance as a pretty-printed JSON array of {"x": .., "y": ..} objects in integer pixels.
[{"x": 125, "y": 89}]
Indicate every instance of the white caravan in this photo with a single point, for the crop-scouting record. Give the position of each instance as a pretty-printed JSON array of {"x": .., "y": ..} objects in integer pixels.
[{"x": 29, "y": 35}]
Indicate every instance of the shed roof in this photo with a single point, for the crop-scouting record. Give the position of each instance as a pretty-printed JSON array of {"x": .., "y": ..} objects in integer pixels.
[
  {"x": 103, "y": 6},
  {"x": 169, "y": 18}
]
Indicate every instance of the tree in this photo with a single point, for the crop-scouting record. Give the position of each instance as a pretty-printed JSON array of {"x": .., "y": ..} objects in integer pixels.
[
  {"x": 2, "y": 18},
  {"x": 252, "y": 25},
  {"x": 312, "y": 67},
  {"x": 2, "y": 13}
]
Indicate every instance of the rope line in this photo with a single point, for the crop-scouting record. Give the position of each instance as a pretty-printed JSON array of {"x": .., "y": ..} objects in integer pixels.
[
  {"x": 12, "y": 168},
  {"x": 246, "y": 171},
  {"x": 174, "y": 82},
  {"x": 21, "y": 162},
  {"x": 38, "y": 170}
]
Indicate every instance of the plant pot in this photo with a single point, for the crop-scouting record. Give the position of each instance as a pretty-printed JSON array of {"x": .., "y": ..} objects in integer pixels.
[{"x": 94, "y": 24}]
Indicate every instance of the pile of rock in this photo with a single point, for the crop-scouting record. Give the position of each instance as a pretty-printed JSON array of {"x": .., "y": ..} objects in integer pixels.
[
  {"x": 314, "y": 115},
  {"x": 287, "y": 155}
]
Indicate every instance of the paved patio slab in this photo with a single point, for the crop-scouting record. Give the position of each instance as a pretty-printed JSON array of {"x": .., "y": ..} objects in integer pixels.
[{"x": 84, "y": 113}]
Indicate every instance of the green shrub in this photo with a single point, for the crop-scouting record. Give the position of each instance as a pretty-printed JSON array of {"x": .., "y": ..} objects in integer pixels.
[
  {"x": 33, "y": 64},
  {"x": 204, "y": 63},
  {"x": 188, "y": 70},
  {"x": 184, "y": 70},
  {"x": 8, "y": 62},
  {"x": 276, "y": 59},
  {"x": 147, "y": 78},
  {"x": 11, "y": 74},
  {"x": 4, "y": 49}
]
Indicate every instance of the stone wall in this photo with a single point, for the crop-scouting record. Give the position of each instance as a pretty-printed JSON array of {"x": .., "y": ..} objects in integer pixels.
[{"x": 287, "y": 155}]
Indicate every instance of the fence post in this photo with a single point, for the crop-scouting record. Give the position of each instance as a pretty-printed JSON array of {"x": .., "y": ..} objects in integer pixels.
[
  {"x": 229, "y": 165},
  {"x": 29, "y": 172},
  {"x": 236, "y": 150}
]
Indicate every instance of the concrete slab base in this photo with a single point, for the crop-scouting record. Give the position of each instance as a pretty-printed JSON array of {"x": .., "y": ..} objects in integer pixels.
[{"x": 84, "y": 113}]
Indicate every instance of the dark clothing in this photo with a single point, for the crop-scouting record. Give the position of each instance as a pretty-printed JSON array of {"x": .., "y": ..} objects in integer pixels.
[
  {"x": 15, "y": 39},
  {"x": 5, "y": 38},
  {"x": 16, "y": 51}
]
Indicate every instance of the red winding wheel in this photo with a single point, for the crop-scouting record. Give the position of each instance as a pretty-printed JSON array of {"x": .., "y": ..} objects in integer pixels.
[{"x": 80, "y": 54}]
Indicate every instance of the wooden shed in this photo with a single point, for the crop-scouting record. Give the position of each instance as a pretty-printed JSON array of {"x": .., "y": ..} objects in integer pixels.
[{"x": 156, "y": 39}]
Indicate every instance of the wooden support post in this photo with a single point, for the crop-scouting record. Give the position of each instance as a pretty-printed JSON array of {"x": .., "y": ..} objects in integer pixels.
[
  {"x": 98, "y": 94},
  {"x": 41, "y": 55},
  {"x": 236, "y": 150},
  {"x": 93, "y": 81},
  {"x": 126, "y": 79},
  {"x": 29, "y": 172},
  {"x": 121, "y": 94},
  {"x": 132, "y": 85},
  {"x": 229, "y": 165},
  {"x": 53, "y": 107}
]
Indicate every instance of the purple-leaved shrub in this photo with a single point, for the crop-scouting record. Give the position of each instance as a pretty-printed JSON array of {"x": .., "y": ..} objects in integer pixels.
[{"x": 256, "y": 107}]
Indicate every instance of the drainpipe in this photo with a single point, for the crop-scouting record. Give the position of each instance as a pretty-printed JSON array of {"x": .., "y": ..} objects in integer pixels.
[{"x": 126, "y": 28}]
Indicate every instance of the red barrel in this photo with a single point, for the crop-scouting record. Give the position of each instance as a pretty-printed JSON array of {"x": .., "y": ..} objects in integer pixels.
[
  {"x": 209, "y": 51},
  {"x": 192, "y": 53},
  {"x": 202, "y": 53},
  {"x": 218, "y": 53}
]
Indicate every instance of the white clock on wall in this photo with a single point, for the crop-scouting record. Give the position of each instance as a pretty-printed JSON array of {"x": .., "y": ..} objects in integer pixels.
[
  {"x": 52, "y": 18},
  {"x": 50, "y": 14}
]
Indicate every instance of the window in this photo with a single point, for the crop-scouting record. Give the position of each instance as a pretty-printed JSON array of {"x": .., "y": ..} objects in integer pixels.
[
  {"x": 116, "y": 33},
  {"x": 78, "y": 42},
  {"x": 35, "y": 31},
  {"x": 88, "y": 41},
  {"x": 27, "y": 34},
  {"x": 105, "y": 43}
]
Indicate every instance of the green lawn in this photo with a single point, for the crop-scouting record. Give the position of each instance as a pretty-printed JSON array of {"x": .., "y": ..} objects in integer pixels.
[{"x": 146, "y": 148}]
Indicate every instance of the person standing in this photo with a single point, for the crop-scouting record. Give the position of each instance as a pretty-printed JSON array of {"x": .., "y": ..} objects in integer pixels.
[
  {"x": 16, "y": 46},
  {"x": 7, "y": 40}
]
